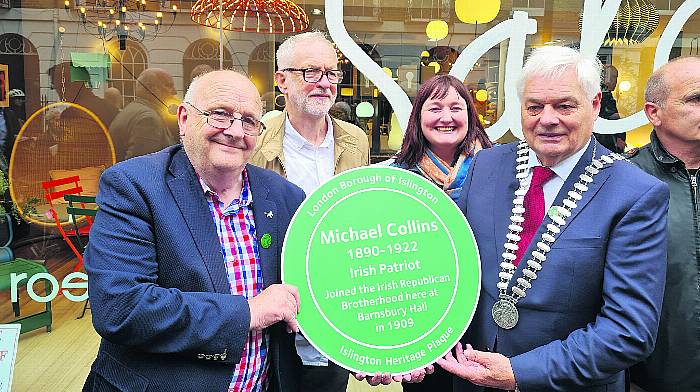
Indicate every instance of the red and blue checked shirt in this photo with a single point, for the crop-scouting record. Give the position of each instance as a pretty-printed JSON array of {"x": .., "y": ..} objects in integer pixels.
[{"x": 236, "y": 229}]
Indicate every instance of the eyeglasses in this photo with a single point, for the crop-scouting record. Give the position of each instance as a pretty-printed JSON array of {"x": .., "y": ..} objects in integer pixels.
[
  {"x": 314, "y": 75},
  {"x": 220, "y": 119}
]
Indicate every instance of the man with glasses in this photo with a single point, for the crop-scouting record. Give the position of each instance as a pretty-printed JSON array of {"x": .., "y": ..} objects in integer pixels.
[
  {"x": 184, "y": 256},
  {"x": 308, "y": 147}
]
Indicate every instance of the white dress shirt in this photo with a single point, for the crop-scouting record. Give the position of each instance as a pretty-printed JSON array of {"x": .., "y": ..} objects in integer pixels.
[
  {"x": 306, "y": 165},
  {"x": 561, "y": 170}
]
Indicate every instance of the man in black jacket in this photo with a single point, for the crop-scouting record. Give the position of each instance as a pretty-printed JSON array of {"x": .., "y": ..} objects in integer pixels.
[{"x": 673, "y": 107}]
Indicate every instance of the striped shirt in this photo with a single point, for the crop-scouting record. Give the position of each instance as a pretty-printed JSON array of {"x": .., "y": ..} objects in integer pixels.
[{"x": 236, "y": 229}]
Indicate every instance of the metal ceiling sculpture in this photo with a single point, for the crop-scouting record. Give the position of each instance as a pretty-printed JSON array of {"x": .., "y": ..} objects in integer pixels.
[
  {"x": 258, "y": 16},
  {"x": 634, "y": 21}
]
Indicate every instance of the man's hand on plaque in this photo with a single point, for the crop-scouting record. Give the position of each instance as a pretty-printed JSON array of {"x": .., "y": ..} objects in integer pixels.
[
  {"x": 479, "y": 367},
  {"x": 279, "y": 302},
  {"x": 386, "y": 378}
]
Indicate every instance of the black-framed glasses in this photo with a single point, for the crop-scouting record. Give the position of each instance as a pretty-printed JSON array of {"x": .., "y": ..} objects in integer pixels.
[
  {"x": 221, "y": 119},
  {"x": 314, "y": 75}
]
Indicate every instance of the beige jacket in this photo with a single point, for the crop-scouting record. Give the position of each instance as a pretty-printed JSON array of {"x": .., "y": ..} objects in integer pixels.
[{"x": 351, "y": 146}]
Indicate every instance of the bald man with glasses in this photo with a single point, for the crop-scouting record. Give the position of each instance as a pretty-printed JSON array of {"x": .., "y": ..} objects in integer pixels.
[
  {"x": 307, "y": 146},
  {"x": 184, "y": 258}
]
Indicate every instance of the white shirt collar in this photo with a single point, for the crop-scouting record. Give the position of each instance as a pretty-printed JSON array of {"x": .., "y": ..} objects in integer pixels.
[
  {"x": 563, "y": 168},
  {"x": 293, "y": 138}
]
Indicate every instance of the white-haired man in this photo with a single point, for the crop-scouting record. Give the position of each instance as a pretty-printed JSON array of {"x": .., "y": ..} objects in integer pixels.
[
  {"x": 308, "y": 147},
  {"x": 572, "y": 243}
]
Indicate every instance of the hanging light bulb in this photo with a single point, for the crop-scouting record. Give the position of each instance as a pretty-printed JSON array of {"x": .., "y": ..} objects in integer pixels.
[
  {"x": 436, "y": 30},
  {"x": 364, "y": 110},
  {"x": 625, "y": 85},
  {"x": 471, "y": 11}
]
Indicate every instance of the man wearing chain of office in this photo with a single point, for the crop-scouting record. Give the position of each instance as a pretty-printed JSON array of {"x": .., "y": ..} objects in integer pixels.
[{"x": 572, "y": 241}]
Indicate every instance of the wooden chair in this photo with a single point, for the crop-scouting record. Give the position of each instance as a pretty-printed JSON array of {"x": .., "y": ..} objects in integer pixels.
[
  {"x": 81, "y": 207},
  {"x": 9, "y": 265}
]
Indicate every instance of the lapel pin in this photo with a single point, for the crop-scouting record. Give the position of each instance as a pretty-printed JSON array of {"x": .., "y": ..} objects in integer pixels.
[
  {"x": 266, "y": 240},
  {"x": 555, "y": 211},
  {"x": 269, "y": 214}
]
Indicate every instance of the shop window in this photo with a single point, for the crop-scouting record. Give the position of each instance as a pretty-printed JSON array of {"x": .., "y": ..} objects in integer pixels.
[
  {"x": 261, "y": 70},
  {"x": 362, "y": 10},
  {"x": 532, "y": 7},
  {"x": 21, "y": 57},
  {"x": 127, "y": 65},
  {"x": 426, "y": 10},
  {"x": 199, "y": 55}
]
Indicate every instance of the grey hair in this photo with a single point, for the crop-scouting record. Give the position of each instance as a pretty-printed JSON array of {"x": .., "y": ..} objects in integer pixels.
[
  {"x": 285, "y": 53},
  {"x": 193, "y": 86},
  {"x": 552, "y": 61},
  {"x": 189, "y": 94},
  {"x": 657, "y": 90}
]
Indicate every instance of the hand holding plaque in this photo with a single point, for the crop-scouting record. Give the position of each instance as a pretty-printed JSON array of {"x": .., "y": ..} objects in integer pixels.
[{"x": 387, "y": 270}]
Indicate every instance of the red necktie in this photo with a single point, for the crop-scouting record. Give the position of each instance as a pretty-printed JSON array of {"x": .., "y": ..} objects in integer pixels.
[{"x": 534, "y": 209}]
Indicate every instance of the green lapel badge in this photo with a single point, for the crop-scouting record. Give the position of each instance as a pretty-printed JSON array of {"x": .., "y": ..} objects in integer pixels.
[
  {"x": 266, "y": 240},
  {"x": 555, "y": 211}
]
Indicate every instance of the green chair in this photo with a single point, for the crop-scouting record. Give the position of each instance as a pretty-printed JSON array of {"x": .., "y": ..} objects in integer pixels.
[
  {"x": 78, "y": 207},
  {"x": 10, "y": 265}
]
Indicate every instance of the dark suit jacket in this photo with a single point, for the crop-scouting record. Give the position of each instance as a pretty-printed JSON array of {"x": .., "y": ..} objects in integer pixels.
[
  {"x": 159, "y": 292},
  {"x": 594, "y": 309}
]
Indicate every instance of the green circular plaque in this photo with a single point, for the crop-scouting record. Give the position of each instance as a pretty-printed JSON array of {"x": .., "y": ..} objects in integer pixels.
[{"x": 387, "y": 270}]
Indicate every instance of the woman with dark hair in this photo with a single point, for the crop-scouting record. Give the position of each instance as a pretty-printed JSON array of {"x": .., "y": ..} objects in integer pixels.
[{"x": 443, "y": 134}]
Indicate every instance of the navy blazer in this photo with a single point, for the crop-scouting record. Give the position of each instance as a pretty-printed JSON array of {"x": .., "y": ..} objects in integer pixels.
[
  {"x": 593, "y": 310},
  {"x": 159, "y": 291}
]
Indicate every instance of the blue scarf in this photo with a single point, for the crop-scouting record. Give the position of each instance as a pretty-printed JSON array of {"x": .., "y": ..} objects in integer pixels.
[{"x": 450, "y": 179}]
